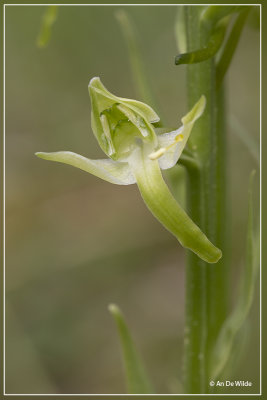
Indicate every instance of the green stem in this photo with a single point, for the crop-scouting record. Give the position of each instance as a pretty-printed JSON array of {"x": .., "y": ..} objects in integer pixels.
[
  {"x": 196, "y": 315},
  {"x": 205, "y": 285}
]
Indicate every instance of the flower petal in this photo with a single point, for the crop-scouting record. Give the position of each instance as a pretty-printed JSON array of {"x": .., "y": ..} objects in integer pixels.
[
  {"x": 139, "y": 107},
  {"x": 171, "y": 156},
  {"x": 115, "y": 172},
  {"x": 142, "y": 108}
]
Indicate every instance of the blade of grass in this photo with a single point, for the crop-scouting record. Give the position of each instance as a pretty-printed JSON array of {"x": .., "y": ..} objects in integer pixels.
[
  {"x": 224, "y": 345},
  {"x": 244, "y": 136},
  {"x": 49, "y": 19},
  {"x": 137, "y": 380},
  {"x": 180, "y": 30},
  {"x": 140, "y": 78}
]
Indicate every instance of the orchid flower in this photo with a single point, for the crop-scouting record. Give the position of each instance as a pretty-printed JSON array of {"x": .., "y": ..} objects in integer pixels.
[{"x": 137, "y": 154}]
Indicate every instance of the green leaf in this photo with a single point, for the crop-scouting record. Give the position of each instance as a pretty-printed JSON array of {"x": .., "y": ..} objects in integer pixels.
[
  {"x": 49, "y": 19},
  {"x": 209, "y": 50},
  {"x": 137, "y": 380},
  {"x": 108, "y": 170},
  {"x": 224, "y": 345},
  {"x": 230, "y": 46},
  {"x": 214, "y": 13}
]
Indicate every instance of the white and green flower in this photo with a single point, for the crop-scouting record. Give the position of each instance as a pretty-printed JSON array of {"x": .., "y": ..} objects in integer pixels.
[{"x": 136, "y": 154}]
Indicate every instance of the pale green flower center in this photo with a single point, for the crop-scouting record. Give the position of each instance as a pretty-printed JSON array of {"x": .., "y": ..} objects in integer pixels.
[{"x": 121, "y": 127}]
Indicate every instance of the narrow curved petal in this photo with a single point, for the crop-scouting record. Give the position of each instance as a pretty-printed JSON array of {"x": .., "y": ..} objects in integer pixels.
[
  {"x": 195, "y": 112},
  {"x": 109, "y": 170},
  {"x": 172, "y": 155}
]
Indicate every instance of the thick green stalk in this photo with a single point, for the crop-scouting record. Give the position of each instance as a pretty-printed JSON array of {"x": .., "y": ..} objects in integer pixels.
[
  {"x": 196, "y": 308},
  {"x": 205, "y": 285}
]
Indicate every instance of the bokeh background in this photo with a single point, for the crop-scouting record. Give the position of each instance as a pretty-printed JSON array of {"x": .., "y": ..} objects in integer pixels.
[{"x": 74, "y": 243}]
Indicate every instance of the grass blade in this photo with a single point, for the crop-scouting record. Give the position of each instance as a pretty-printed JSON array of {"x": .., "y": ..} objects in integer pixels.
[
  {"x": 224, "y": 345},
  {"x": 245, "y": 137},
  {"x": 137, "y": 380},
  {"x": 141, "y": 80},
  {"x": 180, "y": 30},
  {"x": 49, "y": 19}
]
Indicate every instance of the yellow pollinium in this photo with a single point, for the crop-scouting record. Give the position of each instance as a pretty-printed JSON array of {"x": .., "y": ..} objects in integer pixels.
[{"x": 157, "y": 154}]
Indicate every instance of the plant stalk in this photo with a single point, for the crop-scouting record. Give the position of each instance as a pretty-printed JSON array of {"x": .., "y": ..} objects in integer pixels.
[{"x": 206, "y": 295}]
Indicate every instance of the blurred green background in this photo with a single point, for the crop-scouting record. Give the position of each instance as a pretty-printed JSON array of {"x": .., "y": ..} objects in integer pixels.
[{"x": 74, "y": 243}]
